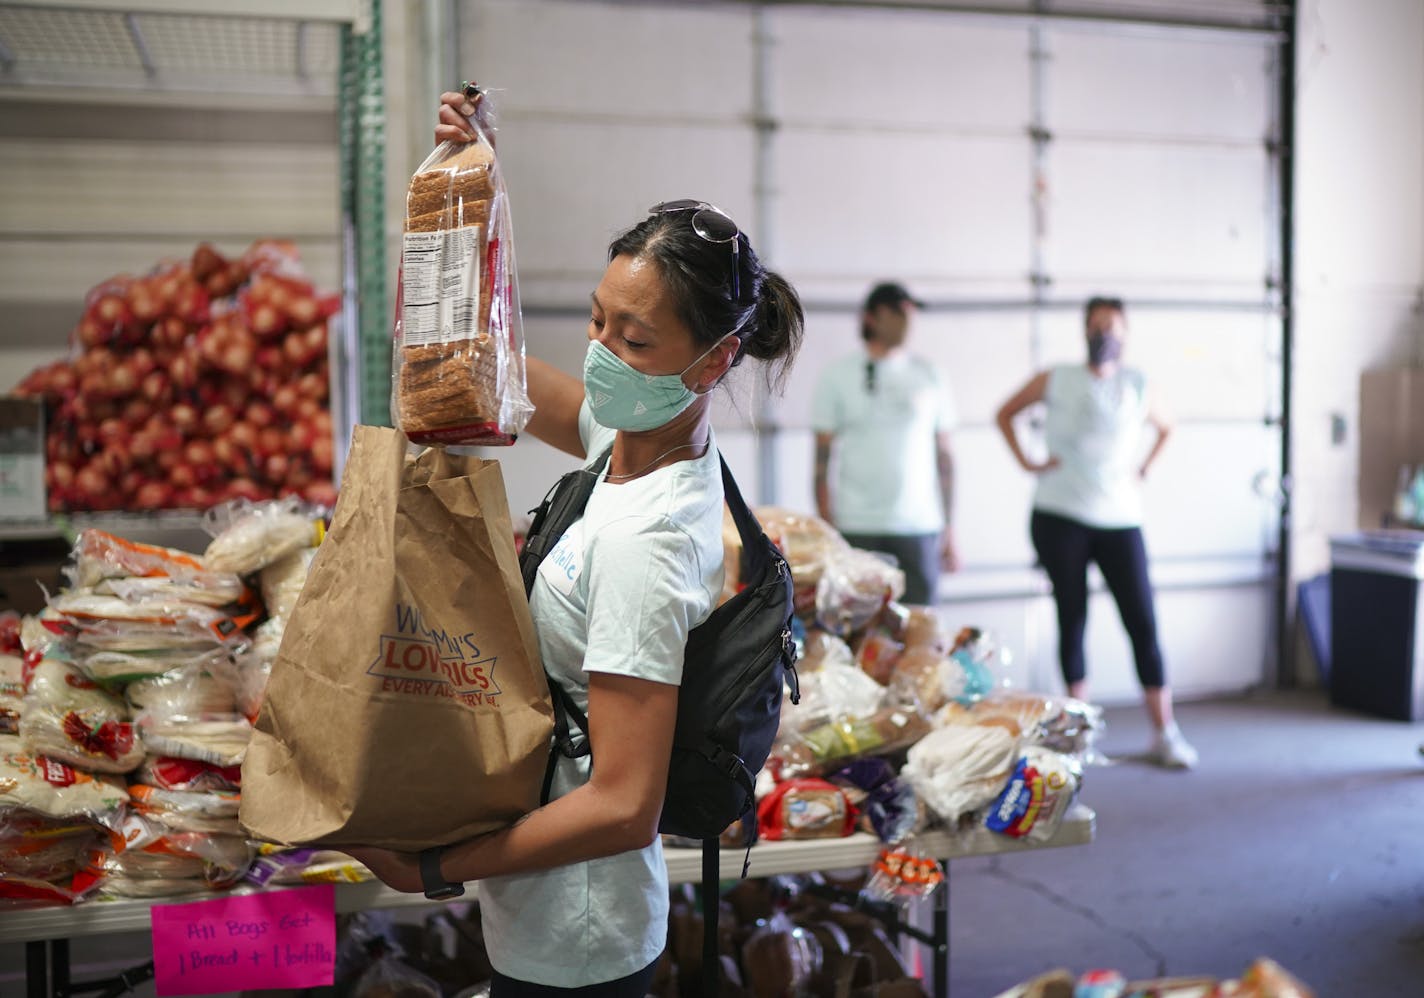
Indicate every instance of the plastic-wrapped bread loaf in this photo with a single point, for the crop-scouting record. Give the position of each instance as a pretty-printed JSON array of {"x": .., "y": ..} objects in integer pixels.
[{"x": 459, "y": 356}]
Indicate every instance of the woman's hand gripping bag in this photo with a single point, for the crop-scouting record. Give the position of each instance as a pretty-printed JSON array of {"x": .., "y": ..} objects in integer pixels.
[
  {"x": 458, "y": 365},
  {"x": 407, "y": 706}
]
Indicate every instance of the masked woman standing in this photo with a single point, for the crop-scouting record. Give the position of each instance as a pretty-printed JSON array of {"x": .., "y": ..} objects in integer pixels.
[
  {"x": 574, "y": 896},
  {"x": 1087, "y": 506}
]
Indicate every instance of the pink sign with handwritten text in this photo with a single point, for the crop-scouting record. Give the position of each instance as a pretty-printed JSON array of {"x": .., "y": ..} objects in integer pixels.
[{"x": 271, "y": 939}]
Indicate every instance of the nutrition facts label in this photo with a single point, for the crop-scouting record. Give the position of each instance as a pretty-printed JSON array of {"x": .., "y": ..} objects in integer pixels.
[{"x": 440, "y": 285}]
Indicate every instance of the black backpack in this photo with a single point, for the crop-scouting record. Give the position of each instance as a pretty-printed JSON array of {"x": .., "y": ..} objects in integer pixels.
[{"x": 729, "y": 704}]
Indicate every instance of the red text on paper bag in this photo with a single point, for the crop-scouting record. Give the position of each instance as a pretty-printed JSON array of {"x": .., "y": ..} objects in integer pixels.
[{"x": 272, "y": 939}]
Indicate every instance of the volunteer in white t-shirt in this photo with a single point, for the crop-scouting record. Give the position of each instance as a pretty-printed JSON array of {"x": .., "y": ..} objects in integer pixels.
[
  {"x": 883, "y": 418},
  {"x": 1087, "y": 506},
  {"x": 574, "y": 896}
]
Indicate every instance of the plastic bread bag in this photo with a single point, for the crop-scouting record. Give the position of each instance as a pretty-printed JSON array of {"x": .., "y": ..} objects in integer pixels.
[
  {"x": 1039, "y": 793},
  {"x": 10, "y": 625},
  {"x": 781, "y": 958},
  {"x": 254, "y": 669},
  {"x": 817, "y": 748},
  {"x": 805, "y": 808},
  {"x": 12, "y": 692},
  {"x": 213, "y": 811},
  {"x": 886, "y": 802},
  {"x": 458, "y": 364},
  {"x": 67, "y": 718},
  {"x": 118, "y": 624},
  {"x": 213, "y": 589},
  {"x": 42, "y": 848},
  {"x": 170, "y": 773},
  {"x": 902, "y": 874},
  {"x": 150, "y": 850},
  {"x": 879, "y": 645},
  {"x": 281, "y": 582},
  {"x": 219, "y": 739},
  {"x": 57, "y": 791},
  {"x": 855, "y": 586},
  {"x": 957, "y": 770},
  {"x": 391, "y": 977},
  {"x": 279, "y": 865},
  {"x": 806, "y": 541},
  {"x": 923, "y": 629},
  {"x": 119, "y": 668},
  {"x": 202, "y": 687},
  {"x": 819, "y": 647},
  {"x": 98, "y": 555},
  {"x": 248, "y": 536},
  {"x": 836, "y": 691},
  {"x": 1062, "y": 723}
]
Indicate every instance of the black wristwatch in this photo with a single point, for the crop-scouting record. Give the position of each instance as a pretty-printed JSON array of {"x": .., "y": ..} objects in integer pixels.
[{"x": 437, "y": 888}]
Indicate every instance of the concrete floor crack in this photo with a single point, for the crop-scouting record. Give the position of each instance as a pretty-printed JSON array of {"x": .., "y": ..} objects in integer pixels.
[{"x": 1085, "y": 912}]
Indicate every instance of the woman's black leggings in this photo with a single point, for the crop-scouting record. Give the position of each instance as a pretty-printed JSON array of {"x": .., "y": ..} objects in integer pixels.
[
  {"x": 635, "y": 985},
  {"x": 1065, "y": 547}
]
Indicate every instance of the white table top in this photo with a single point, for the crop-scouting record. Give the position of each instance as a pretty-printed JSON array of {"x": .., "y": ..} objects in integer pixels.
[{"x": 95, "y": 918}]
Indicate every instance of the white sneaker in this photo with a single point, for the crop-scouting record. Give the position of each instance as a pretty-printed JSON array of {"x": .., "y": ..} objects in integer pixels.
[{"x": 1171, "y": 750}]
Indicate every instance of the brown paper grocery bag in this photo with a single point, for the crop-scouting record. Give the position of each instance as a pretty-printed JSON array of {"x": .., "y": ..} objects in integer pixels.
[{"x": 407, "y": 706}]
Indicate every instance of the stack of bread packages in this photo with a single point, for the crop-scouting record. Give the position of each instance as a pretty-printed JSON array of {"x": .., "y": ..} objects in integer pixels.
[
  {"x": 458, "y": 367},
  {"x": 127, "y": 725},
  {"x": 912, "y": 722},
  {"x": 126, "y": 711}
]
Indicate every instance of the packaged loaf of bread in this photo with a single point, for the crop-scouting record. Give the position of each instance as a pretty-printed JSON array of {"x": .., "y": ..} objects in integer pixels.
[{"x": 458, "y": 368}]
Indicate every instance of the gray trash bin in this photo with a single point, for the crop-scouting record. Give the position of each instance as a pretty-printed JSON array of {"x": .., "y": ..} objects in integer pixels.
[{"x": 1377, "y": 623}]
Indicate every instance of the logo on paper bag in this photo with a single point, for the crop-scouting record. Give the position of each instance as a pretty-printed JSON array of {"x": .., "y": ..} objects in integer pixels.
[{"x": 420, "y": 660}]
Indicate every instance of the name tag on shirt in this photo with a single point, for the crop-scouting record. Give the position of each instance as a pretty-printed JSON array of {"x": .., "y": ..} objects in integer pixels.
[{"x": 561, "y": 566}]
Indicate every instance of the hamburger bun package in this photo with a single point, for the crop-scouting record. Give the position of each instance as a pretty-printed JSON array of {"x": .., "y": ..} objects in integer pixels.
[{"x": 458, "y": 366}]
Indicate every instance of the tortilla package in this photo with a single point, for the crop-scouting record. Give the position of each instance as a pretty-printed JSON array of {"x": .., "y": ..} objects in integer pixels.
[{"x": 407, "y": 705}]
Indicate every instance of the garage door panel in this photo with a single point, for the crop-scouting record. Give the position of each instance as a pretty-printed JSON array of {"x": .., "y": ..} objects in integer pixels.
[
  {"x": 851, "y": 206},
  {"x": 573, "y": 187},
  {"x": 899, "y": 68},
  {"x": 1181, "y": 215},
  {"x": 638, "y": 60},
  {"x": 1166, "y": 87}
]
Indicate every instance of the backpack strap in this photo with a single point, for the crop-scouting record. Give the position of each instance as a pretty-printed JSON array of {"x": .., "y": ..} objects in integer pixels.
[{"x": 562, "y": 506}]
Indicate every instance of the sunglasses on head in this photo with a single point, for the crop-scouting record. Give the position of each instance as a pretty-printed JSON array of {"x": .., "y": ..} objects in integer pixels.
[{"x": 712, "y": 224}]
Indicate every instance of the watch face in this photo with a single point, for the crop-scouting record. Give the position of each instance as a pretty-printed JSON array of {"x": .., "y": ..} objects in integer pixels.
[{"x": 444, "y": 892}]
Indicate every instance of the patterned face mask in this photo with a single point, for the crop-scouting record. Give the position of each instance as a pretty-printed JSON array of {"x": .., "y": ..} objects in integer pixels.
[{"x": 622, "y": 398}]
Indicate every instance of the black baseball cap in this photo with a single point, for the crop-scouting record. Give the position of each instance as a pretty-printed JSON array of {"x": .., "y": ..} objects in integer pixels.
[{"x": 890, "y": 293}]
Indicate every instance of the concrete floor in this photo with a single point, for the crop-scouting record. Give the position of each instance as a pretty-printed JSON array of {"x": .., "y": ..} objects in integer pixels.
[{"x": 1299, "y": 837}]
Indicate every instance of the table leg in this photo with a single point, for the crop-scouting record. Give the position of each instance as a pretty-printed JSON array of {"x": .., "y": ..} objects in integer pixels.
[
  {"x": 59, "y": 967},
  {"x": 37, "y": 969},
  {"x": 940, "y": 959}
]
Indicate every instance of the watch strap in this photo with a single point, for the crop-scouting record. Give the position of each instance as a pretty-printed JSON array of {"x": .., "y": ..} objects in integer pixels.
[{"x": 437, "y": 888}]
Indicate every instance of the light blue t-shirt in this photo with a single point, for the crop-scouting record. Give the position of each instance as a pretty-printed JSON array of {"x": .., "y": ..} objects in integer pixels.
[
  {"x": 618, "y": 593},
  {"x": 1093, "y": 425},
  {"x": 885, "y": 415}
]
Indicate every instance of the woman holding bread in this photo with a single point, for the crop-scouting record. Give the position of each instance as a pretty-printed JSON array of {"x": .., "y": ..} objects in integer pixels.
[{"x": 574, "y": 896}]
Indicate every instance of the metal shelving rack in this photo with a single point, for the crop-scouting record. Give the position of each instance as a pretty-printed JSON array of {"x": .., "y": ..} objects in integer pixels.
[{"x": 250, "y": 54}]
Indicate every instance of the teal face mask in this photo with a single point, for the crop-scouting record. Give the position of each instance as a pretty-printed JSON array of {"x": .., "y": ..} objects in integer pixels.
[{"x": 622, "y": 398}]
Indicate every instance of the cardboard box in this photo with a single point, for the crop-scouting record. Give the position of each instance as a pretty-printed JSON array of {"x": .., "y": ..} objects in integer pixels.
[
  {"x": 1391, "y": 436},
  {"x": 22, "y": 456}
]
